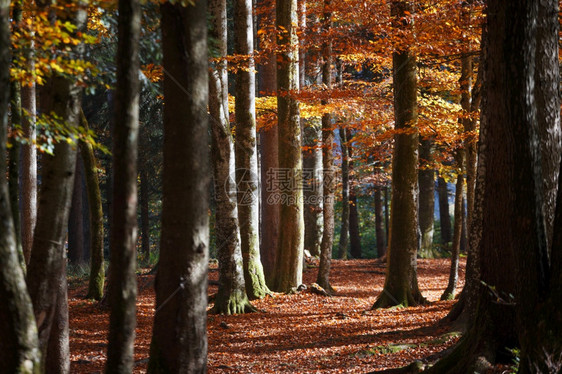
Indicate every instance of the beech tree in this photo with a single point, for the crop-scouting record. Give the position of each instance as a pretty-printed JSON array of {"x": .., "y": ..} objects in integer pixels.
[{"x": 179, "y": 341}]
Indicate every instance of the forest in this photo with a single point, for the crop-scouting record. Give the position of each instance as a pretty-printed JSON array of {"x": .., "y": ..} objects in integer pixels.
[{"x": 280, "y": 186}]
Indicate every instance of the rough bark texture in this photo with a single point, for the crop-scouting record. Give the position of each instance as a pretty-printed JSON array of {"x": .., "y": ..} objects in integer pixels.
[
  {"x": 123, "y": 240},
  {"x": 444, "y": 216},
  {"x": 97, "y": 269},
  {"x": 76, "y": 218},
  {"x": 246, "y": 152},
  {"x": 231, "y": 297},
  {"x": 18, "y": 333},
  {"x": 312, "y": 185},
  {"x": 269, "y": 157},
  {"x": 60, "y": 96},
  {"x": 288, "y": 270},
  {"x": 179, "y": 341},
  {"x": 344, "y": 232},
  {"x": 329, "y": 182},
  {"x": 426, "y": 175},
  {"x": 400, "y": 286}
]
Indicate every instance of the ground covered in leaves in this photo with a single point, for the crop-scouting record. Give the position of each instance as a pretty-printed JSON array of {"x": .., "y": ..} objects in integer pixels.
[{"x": 300, "y": 333}]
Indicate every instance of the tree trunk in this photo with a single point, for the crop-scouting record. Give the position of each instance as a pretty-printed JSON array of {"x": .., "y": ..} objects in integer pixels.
[
  {"x": 344, "y": 232},
  {"x": 58, "y": 353},
  {"x": 354, "y": 234},
  {"x": 231, "y": 297},
  {"x": 449, "y": 292},
  {"x": 288, "y": 270},
  {"x": 444, "y": 216},
  {"x": 246, "y": 152},
  {"x": 426, "y": 175},
  {"x": 179, "y": 340},
  {"x": 76, "y": 218},
  {"x": 400, "y": 286},
  {"x": 329, "y": 177},
  {"x": 379, "y": 224},
  {"x": 13, "y": 165},
  {"x": 60, "y": 96},
  {"x": 312, "y": 185},
  {"x": 97, "y": 269},
  {"x": 18, "y": 334},
  {"x": 123, "y": 240},
  {"x": 269, "y": 156},
  {"x": 145, "y": 213}
]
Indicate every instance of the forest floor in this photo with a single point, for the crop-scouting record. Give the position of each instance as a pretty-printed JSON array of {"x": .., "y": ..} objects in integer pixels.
[{"x": 299, "y": 333}]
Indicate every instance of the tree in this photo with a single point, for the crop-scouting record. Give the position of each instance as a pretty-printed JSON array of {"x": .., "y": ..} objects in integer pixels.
[
  {"x": 400, "y": 286},
  {"x": 444, "y": 217},
  {"x": 123, "y": 260},
  {"x": 312, "y": 184},
  {"x": 60, "y": 98},
  {"x": 354, "y": 233},
  {"x": 76, "y": 237},
  {"x": 379, "y": 223},
  {"x": 231, "y": 297},
  {"x": 246, "y": 151},
  {"x": 289, "y": 259},
  {"x": 179, "y": 342},
  {"x": 97, "y": 269},
  {"x": 18, "y": 332},
  {"x": 426, "y": 176},
  {"x": 344, "y": 232}
]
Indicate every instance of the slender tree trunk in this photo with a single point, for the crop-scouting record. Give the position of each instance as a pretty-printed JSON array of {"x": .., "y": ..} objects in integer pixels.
[
  {"x": 329, "y": 182},
  {"x": 269, "y": 156},
  {"x": 344, "y": 232},
  {"x": 288, "y": 270},
  {"x": 58, "y": 351},
  {"x": 354, "y": 233},
  {"x": 449, "y": 292},
  {"x": 18, "y": 333},
  {"x": 401, "y": 279},
  {"x": 246, "y": 152},
  {"x": 76, "y": 218},
  {"x": 231, "y": 297},
  {"x": 97, "y": 269},
  {"x": 444, "y": 217},
  {"x": 123, "y": 241},
  {"x": 60, "y": 97},
  {"x": 179, "y": 340},
  {"x": 379, "y": 224},
  {"x": 13, "y": 165},
  {"x": 145, "y": 212},
  {"x": 426, "y": 175},
  {"x": 312, "y": 185}
]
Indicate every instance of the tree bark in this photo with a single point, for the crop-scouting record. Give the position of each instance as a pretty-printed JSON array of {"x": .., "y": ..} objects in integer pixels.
[
  {"x": 444, "y": 216},
  {"x": 179, "y": 341},
  {"x": 60, "y": 96},
  {"x": 18, "y": 333},
  {"x": 379, "y": 224},
  {"x": 400, "y": 286},
  {"x": 426, "y": 176},
  {"x": 269, "y": 155},
  {"x": 329, "y": 177},
  {"x": 97, "y": 269},
  {"x": 14, "y": 163},
  {"x": 246, "y": 152},
  {"x": 289, "y": 259},
  {"x": 76, "y": 218},
  {"x": 145, "y": 212},
  {"x": 58, "y": 352},
  {"x": 123, "y": 240},
  {"x": 354, "y": 233},
  {"x": 344, "y": 232},
  {"x": 231, "y": 297}
]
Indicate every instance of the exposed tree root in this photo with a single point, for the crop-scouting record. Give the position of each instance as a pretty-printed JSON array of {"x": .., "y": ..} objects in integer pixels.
[{"x": 235, "y": 304}]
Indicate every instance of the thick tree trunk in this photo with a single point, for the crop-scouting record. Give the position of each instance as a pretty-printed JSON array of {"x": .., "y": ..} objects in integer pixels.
[
  {"x": 58, "y": 352},
  {"x": 400, "y": 286},
  {"x": 444, "y": 216},
  {"x": 344, "y": 232},
  {"x": 76, "y": 218},
  {"x": 231, "y": 297},
  {"x": 61, "y": 97},
  {"x": 329, "y": 182},
  {"x": 312, "y": 185},
  {"x": 18, "y": 333},
  {"x": 379, "y": 224},
  {"x": 288, "y": 270},
  {"x": 246, "y": 152},
  {"x": 269, "y": 156},
  {"x": 426, "y": 175},
  {"x": 97, "y": 269},
  {"x": 123, "y": 240},
  {"x": 179, "y": 341}
]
